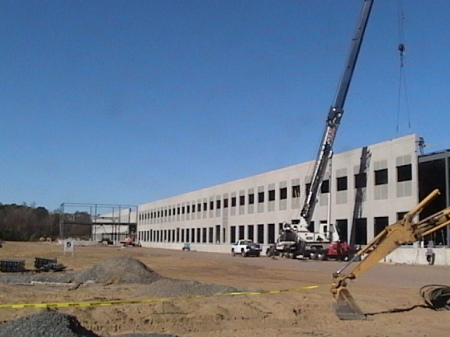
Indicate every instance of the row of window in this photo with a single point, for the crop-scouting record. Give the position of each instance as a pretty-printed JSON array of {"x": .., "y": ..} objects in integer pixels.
[
  {"x": 256, "y": 232},
  {"x": 404, "y": 173}
]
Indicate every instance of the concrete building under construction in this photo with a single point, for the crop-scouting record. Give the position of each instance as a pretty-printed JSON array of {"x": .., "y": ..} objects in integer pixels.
[{"x": 362, "y": 192}]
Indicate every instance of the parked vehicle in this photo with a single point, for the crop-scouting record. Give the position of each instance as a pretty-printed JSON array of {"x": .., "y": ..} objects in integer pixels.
[
  {"x": 246, "y": 248},
  {"x": 337, "y": 250}
]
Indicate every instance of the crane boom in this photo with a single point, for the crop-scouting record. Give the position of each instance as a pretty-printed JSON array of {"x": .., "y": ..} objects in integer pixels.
[{"x": 334, "y": 116}]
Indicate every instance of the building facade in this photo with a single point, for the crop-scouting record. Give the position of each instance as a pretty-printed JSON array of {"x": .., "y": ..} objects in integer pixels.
[{"x": 363, "y": 191}]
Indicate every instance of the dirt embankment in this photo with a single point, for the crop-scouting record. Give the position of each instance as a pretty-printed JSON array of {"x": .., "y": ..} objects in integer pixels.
[{"x": 188, "y": 280}]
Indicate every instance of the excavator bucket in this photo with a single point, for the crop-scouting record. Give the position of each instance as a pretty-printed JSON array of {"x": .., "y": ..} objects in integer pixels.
[{"x": 346, "y": 307}]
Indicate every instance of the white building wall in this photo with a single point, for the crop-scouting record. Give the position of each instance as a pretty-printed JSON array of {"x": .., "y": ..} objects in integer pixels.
[{"x": 175, "y": 215}]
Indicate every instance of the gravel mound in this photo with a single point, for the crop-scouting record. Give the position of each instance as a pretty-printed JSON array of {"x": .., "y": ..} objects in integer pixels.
[
  {"x": 54, "y": 324},
  {"x": 45, "y": 324},
  {"x": 117, "y": 271}
]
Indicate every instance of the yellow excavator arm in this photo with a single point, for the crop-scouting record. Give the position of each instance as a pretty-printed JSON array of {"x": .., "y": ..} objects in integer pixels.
[{"x": 404, "y": 231}]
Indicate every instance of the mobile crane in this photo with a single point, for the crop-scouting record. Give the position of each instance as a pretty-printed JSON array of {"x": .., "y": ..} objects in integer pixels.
[
  {"x": 295, "y": 239},
  {"x": 404, "y": 231}
]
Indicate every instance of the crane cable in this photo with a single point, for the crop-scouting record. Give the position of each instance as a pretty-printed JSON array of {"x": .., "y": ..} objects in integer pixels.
[{"x": 402, "y": 75}]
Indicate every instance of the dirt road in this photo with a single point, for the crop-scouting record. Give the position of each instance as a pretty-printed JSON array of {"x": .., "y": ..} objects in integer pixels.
[{"x": 388, "y": 294}]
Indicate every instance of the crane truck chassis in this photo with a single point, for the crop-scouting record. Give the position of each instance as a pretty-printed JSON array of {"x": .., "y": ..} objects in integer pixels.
[
  {"x": 404, "y": 231},
  {"x": 294, "y": 243}
]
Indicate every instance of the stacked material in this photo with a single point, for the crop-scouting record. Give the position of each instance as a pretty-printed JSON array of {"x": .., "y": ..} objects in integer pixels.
[{"x": 12, "y": 266}]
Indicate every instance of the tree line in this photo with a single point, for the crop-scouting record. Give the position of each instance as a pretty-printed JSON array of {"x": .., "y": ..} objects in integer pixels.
[{"x": 27, "y": 223}]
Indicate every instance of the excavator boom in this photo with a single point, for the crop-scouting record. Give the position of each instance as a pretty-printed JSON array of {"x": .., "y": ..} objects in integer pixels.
[{"x": 404, "y": 231}]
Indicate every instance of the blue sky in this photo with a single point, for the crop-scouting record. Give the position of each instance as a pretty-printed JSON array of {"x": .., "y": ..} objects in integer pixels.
[{"x": 126, "y": 102}]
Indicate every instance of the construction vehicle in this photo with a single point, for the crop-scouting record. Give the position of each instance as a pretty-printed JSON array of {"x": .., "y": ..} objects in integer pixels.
[
  {"x": 319, "y": 241},
  {"x": 404, "y": 231},
  {"x": 130, "y": 241}
]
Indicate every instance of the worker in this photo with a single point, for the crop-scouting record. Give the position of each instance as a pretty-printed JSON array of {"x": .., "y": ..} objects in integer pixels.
[{"x": 430, "y": 255}]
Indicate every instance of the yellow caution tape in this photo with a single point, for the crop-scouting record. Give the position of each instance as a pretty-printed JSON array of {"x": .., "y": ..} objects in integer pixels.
[{"x": 151, "y": 300}]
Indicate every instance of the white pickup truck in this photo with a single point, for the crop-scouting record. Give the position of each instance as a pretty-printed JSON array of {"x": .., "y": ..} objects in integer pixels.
[{"x": 246, "y": 248}]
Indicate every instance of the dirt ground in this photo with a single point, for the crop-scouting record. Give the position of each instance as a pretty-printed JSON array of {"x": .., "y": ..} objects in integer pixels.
[{"x": 388, "y": 294}]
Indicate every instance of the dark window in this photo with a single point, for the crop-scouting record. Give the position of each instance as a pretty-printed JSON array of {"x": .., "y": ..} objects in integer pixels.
[
  {"x": 242, "y": 200},
  {"x": 211, "y": 205},
  {"x": 404, "y": 173},
  {"x": 218, "y": 233},
  {"x": 182, "y": 210},
  {"x": 233, "y": 202},
  {"x": 361, "y": 231},
  {"x": 271, "y": 233},
  {"x": 342, "y": 184},
  {"x": 193, "y": 208},
  {"x": 188, "y": 209},
  {"x": 283, "y": 193},
  {"x": 199, "y": 207},
  {"x": 260, "y": 197},
  {"x": 165, "y": 212},
  {"x": 251, "y": 231},
  {"x": 342, "y": 229},
  {"x": 211, "y": 234},
  {"x": 170, "y": 212},
  {"x": 205, "y": 206},
  {"x": 325, "y": 187},
  {"x": 400, "y": 215},
  {"x": 261, "y": 233},
  {"x": 251, "y": 199},
  {"x": 271, "y": 195},
  {"x": 217, "y": 204},
  {"x": 233, "y": 234},
  {"x": 225, "y": 203},
  {"x": 296, "y": 191},
  {"x": 241, "y": 232},
  {"x": 178, "y": 210},
  {"x": 204, "y": 235},
  {"x": 381, "y": 177},
  {"x": 380, "y": 223},
  {"x": 307, "y": 188},
  {"x": 360, "y": 180}
]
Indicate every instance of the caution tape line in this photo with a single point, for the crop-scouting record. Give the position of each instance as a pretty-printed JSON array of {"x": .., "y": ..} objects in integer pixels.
[{"x": 151, "y": 300}]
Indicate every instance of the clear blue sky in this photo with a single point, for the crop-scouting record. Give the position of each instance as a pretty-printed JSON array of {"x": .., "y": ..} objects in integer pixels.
[{"x": 128, "y": 102}]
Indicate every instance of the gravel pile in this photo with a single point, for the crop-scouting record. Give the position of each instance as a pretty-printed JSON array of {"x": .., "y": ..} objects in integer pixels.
[
  {"x": 53, "y": 324},
  {"x": 45, "y": 324},
  {"x": 118, "y": 271}
]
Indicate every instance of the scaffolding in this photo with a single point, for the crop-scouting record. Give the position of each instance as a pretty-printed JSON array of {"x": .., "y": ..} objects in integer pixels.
[{"x": 109, "y": 223}]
